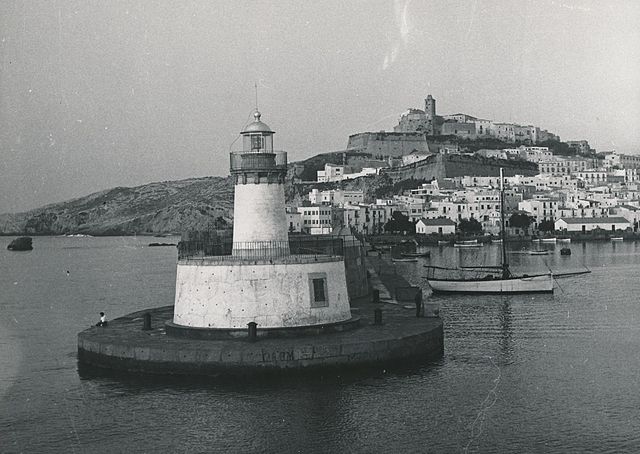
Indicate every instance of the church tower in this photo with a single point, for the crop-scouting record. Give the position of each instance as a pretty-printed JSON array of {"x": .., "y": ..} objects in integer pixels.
[{"x": 430, "y": 114}]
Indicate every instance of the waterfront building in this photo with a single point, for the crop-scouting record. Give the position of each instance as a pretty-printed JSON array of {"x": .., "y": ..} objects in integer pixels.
[
  {"x": 261, "y": 281},
  {"x": 586, "y": 224},
  {"x": 630, "y": 213},
  {"x": 442, "y": 226}
]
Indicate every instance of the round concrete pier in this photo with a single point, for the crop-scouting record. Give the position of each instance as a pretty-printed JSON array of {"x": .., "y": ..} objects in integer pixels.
[{"x": 124, "y": 345}]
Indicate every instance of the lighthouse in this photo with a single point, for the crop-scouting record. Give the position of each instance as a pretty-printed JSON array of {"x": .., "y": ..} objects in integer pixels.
[
  {"x": 259, "y": 223},
  {"x": 259, "y": 279}
]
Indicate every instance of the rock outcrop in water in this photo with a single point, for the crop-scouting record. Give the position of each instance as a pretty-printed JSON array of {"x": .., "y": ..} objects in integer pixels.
[{"x": 24, "y": 243}]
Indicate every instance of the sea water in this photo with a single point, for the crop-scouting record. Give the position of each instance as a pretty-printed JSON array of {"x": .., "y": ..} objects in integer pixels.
[{"x": 524, "y": 373}]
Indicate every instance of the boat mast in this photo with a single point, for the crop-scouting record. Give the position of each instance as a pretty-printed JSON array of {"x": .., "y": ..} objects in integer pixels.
[{"x": 505, "y": 265}]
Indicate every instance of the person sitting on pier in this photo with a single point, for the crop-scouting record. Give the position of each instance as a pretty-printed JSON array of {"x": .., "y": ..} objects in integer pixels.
[{"x": 103, "y": 320}]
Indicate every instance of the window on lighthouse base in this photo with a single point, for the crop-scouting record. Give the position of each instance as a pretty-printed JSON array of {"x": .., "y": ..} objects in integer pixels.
[{"x": 318, "y": 290}]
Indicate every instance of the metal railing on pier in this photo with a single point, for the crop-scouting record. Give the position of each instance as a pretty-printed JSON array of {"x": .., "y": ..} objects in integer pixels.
[{"x": 260, "y": 250}]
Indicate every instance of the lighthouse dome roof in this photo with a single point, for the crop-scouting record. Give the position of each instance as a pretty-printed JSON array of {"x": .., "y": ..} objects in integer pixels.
[{"x": 257, "y": 125}]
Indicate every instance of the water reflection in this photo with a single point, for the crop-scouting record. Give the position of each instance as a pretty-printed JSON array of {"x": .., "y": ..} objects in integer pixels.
[{"x": 506, "y": 337}]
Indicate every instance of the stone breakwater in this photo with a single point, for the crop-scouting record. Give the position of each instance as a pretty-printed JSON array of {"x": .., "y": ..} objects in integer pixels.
[
  {"x": 402, "y": 337},
  {"x": 124, "y": 345}
]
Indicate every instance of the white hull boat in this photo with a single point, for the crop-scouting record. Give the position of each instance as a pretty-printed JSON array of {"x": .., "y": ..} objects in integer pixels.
[
  {"x": 488, "y": 279},
  {"x": 468, "y": 243},
  {"x": 524, "y": 284}
]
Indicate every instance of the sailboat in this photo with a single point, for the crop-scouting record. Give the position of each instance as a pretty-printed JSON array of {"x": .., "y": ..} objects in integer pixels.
[{"x": 488, "y": 279}]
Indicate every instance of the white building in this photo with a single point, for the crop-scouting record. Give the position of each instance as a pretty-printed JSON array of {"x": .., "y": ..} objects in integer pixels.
[
  {"x": 317, "y": 219},
  {"x": 540, "y": 209},
  {"x": 592, "y": 177},
  {"x": 588, "y": 224},
  {"x": 334, "y": 172},
  {"x": 335, "y": 197},
  {"x": 441, "y": 226}
]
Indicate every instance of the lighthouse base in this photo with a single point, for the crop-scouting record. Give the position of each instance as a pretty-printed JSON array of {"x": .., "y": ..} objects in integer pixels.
[
  {"x": 124, "y": 346},
  {"x": 295, "y": 291}
]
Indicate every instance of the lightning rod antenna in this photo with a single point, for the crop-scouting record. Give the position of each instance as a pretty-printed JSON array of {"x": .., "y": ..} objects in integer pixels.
[{"x": 256, "y": 86}]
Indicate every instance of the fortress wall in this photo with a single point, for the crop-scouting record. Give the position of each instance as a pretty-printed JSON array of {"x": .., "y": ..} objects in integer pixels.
[{"x": 449, "y": 166}]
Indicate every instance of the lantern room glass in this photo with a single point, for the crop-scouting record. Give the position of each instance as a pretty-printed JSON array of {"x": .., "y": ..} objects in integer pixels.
[{"x": 258, "y": 143}]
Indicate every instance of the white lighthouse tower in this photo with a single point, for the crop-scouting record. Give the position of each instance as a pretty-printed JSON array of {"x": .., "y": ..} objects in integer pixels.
[
  {"x": 259, "y": 278},
  {"x": 259, "y": 222}
]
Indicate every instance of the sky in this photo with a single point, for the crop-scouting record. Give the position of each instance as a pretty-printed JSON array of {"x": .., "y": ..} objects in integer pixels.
[{"x": 98, "y": 94}]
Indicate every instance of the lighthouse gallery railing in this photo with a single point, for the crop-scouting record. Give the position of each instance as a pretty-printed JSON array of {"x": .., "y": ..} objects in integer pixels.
[
  {"x": 261, "y": 250},
  {"x": 247, "y": 160}
]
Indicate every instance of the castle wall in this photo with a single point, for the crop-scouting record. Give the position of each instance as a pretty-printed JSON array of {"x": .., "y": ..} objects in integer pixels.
[
  {"x": 449, "y": 166},
  {"x": 230, "y": 295},
  {"x": 393, "y": 144}
]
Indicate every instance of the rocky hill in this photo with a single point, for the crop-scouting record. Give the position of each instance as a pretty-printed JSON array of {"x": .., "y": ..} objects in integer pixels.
[{"x": 166, "y": 207}]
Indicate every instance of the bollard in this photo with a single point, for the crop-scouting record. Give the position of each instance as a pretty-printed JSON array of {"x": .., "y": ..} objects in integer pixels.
[
  {"x": 253, "y": 331},
  {"x": 419, "y": 306},
  {"x": 377, "y": 316},
  {"x": 146, "y": 321},
  {"x": 375, "y": 296}
]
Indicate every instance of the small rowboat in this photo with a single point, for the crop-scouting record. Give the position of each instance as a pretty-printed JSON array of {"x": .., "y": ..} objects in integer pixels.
[{"x": 416, "y": 254}]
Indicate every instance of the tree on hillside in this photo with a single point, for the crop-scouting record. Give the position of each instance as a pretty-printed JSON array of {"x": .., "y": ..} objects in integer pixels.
[
  {"x": 399, "y": 223},
  {"x": 546, "y": 226},
  {"x": 520, "y": 221},
  {"x": 469, "y": 226}
]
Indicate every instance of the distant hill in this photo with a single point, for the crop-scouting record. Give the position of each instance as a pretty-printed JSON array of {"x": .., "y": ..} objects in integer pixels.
[
  {"x": 205, "y": 203},
  {"x": 166, "y": 207}
]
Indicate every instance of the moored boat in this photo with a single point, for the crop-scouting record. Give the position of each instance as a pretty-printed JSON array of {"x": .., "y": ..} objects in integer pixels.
[
  {"x": 539, "y": 252},
  {"x": 416, "y": 254},
  {"x": 617, "y": 238},
  {"x": 488, "y": 279},
  {"x": 542, "y": 283},
  {"x": 404, "y": 260},
  {"x": 467, "y": 243}
]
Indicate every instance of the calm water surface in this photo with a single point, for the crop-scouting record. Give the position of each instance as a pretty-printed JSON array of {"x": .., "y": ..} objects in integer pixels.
[{"x": 551, "y": 373}]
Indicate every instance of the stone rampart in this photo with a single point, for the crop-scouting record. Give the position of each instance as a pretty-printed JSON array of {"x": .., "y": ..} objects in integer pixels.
[{"x": 449, "y": 166}]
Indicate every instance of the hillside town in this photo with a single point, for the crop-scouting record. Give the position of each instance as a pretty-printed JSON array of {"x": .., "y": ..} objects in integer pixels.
[{"x": 579, "y": 190}]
